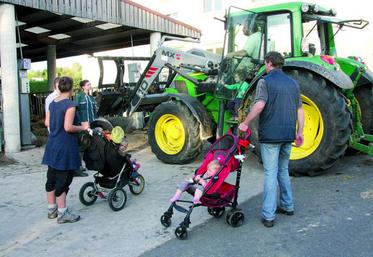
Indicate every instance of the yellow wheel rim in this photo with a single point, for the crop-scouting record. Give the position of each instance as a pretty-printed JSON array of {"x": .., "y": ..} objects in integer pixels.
[
  {"x": 170, "y": 134},
  {"x": 313, "y": 130}
]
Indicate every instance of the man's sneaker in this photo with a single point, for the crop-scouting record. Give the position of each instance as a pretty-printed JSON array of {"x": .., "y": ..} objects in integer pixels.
[
  {"x": 282, "y": 211},
  {"x": 67, "y": 217},
  {"x": 268, "y": 223},
  {"x": 52, "y": 213}
]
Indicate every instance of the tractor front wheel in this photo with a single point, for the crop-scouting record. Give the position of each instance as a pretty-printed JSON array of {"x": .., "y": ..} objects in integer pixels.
[{"x": 174, "y": 133}]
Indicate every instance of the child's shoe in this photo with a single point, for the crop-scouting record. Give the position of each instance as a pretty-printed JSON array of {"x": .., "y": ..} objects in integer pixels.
[
  {"x": 52, "y": 213},
  {"x": 67, "y": 217},
  {"x": 135, "y": 165}
]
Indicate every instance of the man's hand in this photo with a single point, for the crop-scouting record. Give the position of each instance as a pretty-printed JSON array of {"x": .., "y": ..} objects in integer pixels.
[
  {"x": 299, "y": 139},
  {"x": 243, "y": 127}
]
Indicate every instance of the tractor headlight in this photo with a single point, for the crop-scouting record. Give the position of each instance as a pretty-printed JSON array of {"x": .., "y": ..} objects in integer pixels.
[{"x": 305, "y": 7}]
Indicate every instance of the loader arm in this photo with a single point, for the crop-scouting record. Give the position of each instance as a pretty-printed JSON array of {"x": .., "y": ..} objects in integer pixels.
[{"x": 174, "y": 60}]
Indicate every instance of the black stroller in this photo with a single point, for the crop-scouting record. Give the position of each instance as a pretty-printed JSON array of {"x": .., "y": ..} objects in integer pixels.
[
  {"x": 113, "y": 172},
  {"x": 218, "y": 194}
]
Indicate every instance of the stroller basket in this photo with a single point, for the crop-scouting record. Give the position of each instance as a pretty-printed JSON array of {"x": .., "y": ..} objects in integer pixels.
[{"x": 106, "y": 182}]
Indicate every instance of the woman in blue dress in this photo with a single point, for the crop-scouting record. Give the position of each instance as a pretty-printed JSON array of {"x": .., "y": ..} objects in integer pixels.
[{"x": 61, "y": 152}]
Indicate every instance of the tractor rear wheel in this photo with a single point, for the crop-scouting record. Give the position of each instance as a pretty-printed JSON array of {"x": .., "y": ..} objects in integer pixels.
[
  {"x": 327, "y": 127},
  {"x": 174, "y": 133},
  {"x": 364, "y": 95}
]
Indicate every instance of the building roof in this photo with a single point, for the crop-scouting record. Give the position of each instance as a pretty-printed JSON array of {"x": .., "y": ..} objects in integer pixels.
[{"x": 87, "y": 26}]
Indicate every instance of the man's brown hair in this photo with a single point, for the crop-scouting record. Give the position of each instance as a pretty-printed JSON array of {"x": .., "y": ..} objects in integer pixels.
[{"x": 275, "y": 58}]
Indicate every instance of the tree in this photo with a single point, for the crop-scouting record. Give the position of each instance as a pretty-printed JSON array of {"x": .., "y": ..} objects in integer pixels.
[{"x": 39, "y": 78}]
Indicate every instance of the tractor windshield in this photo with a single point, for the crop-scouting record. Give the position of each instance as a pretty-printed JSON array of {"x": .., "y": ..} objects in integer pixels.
[{"x": 242, "y": 50}]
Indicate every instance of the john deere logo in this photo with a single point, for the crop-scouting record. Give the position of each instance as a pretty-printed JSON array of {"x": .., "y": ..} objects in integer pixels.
[{"x": 168, "y": 54}]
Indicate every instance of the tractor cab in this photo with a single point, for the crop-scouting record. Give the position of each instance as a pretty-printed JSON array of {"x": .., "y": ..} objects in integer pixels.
[{"x": 243, "y": 50}]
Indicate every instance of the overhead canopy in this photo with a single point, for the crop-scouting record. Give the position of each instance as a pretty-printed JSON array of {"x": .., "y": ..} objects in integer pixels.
[{"x": 87, "y": 26}]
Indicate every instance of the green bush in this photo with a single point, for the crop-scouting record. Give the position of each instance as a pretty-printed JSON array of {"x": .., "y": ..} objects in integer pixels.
[{"x": 39, "y": 86}]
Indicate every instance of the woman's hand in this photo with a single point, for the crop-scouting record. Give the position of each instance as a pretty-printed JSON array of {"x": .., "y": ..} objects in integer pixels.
[{"x": 85, "y": 126}]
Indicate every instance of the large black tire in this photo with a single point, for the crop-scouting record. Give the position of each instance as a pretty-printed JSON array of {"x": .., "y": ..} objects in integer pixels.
[
  {"x": 336, "y": 125},
  {"x": 336, "y": 120},
  {"x": 123, "y": 122},
  {"x": 364, "y": 95},
  {"x": 192, "y": 145}
]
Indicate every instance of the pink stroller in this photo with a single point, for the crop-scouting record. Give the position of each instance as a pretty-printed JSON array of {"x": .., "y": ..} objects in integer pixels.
[{"x": 218, "y": 194}]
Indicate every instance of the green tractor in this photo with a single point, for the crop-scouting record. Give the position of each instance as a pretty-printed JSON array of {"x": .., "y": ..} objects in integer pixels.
[
  {"x": 188, "y": 106},
  {"x": 337, "y": 92}
]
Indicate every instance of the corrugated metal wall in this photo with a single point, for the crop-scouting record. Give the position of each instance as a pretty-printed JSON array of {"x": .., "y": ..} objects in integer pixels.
[{"x": 114, "y": 11}]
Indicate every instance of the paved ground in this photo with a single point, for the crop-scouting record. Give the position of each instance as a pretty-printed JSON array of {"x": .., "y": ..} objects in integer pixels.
[
  {"x": 333, "y": 216},
  {"x": 26, "y": 231}
]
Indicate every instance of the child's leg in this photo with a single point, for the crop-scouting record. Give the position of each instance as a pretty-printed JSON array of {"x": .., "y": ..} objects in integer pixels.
[
  {"x": 176, "y": 196},
  {"x": 197, "y": 196},
  {"x": 180, "y": 189},
  {"x": 237, "y": 104},
  {"x": 231, "y": 107}
]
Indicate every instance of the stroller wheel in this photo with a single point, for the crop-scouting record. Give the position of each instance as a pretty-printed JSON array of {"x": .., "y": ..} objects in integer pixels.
[
  {"x": 181, "y": 232},
  {"x": 137, "y": 185},
  {"x": 166, "y": 220},
  {"x": 117, "y": 199},
  {"x": 235, "y": 218},
  {"x": 88, "y": 194},
  {"x": 216, "y": 212}
]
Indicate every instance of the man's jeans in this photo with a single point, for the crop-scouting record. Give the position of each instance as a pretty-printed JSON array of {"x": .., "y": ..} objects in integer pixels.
[{"x": 275, "y": 162}]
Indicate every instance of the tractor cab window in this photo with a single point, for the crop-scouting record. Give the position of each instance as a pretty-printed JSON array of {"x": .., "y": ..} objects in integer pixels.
[
  {"x": 245, "y": 35},
  {"x": 243, "y": 54},
  {"x": 311, "y": 44},
  {"x": 279, "y": 34}
]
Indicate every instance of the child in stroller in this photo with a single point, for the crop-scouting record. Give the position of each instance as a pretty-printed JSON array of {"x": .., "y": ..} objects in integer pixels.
[
  {"x": 106, "y": 153},
  {"x": 217, "y": 194},
  {"x": 197, "y": 183}
]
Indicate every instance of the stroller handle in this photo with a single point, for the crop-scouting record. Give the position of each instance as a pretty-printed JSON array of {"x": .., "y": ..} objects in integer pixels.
[{"x": 244, "y": 135}]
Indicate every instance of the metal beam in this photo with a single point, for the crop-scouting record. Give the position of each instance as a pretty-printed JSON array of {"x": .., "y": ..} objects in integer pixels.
[
  {"x": 105, "y": 35},
  {"x": 70, "y": 29},
  {"x": 42, "y": 22}
]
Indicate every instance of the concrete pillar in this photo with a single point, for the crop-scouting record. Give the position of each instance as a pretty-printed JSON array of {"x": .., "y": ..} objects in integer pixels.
[
  {"x": 155, "y": 38},
  {"x": 51, "y": 65},
  {"x": 9, "y": 79}
]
